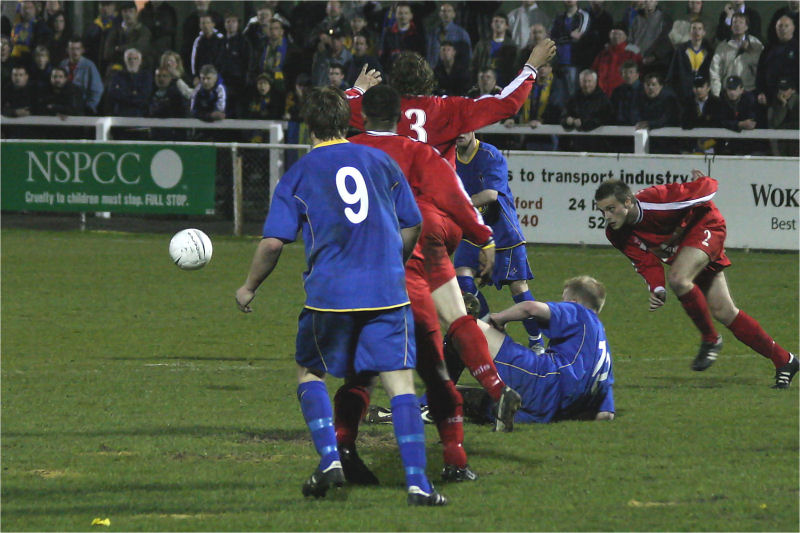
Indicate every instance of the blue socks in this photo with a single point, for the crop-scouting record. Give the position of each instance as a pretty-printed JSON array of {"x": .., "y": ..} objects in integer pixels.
[
  {"x": 467, "y": 284},
  {"x": 318, "y": 413},
  {"x": 410, "y": 434},
  {"x": 530, "y": 324}
]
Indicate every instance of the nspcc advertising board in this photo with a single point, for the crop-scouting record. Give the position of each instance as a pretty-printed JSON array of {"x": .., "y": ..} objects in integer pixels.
[
  {"x": 123, "y": 178},
  {"x": 554, "y": 194}
]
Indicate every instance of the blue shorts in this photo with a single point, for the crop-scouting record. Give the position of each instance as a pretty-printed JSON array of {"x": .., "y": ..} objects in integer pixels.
[
  {"x": 356, "y": 341},
  {"x": 534, "y": 377},
  {"x": 510, "y": 264}
]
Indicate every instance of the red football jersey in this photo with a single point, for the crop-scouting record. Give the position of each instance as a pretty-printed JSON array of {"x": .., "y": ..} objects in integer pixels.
[
  {"x": 438, "y": 120},
  {"x": 666, "y": 213},
  {"x": 432, "y": 180}
]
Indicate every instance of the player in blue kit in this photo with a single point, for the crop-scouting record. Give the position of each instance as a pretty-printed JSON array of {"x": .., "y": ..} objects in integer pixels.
[
  {"x": 573, "y": 379},
  {"x": 360, "y": 223},
  {"x": 484, "y": 172}
]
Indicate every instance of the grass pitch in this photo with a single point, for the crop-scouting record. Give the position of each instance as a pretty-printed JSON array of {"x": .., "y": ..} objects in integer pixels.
[{"x": 137, "y": 392}]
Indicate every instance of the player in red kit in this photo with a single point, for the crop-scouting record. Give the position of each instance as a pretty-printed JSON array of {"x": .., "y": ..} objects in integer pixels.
[
  {"x": 438, "y": 120},
  {"x": 679, "y": 225},
  {"x": 431, "y": 286}
]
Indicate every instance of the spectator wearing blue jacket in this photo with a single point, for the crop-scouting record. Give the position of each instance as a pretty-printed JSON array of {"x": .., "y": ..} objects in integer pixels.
[
  {"x": 129, "y": 90},
  {"x": 83, "y": 73},
  {"x": 209, "y": 97}
]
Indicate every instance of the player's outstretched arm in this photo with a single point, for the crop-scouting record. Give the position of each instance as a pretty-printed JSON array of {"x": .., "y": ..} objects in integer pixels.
[
  {"x": 264, "y": 261},
  {"x": 520, "y": 311},
  {"x": 542, "y": 53}
]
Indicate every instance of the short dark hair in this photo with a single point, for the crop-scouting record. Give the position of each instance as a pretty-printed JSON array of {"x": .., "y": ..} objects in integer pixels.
[
  {"x": 411, "y": 74},
  {"x": 382, "y": 104},
  {"x": 326, "y": 113},
  {"x": 75, "y": 39},
  {"x": 336, "y": 65},
  {"x": 208, "y": 69},
  {"x": 616, "y": 188},
  {"x": 659, "y": 78},
  {"x": 62, "y": 69},
  {"x": 502, "y": 15},
  {"x": 629, "y": 64},
  {"x": 588, "y": 291},
  {"x": 741, "y": 15},
  {"x": 18, "y": 66}
]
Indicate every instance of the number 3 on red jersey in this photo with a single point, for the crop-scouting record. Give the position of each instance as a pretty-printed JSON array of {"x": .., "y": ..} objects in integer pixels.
[{"x": 417, "y": 118}]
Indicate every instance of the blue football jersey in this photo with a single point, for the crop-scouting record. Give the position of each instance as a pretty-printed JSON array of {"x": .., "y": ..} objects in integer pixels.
[
  {"x": 350, "y": 202},
  {"x": 488, "y": 169}
]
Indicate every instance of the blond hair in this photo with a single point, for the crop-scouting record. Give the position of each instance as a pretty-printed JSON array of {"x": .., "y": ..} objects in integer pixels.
[{"x": 586, "y": 291}]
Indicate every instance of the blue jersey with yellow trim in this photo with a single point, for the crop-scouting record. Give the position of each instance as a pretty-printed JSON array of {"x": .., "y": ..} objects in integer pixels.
[
  {"x": 574, "y": 376},
  {"x": 488, "y": 169},
  {"x": 350, "y": 201}
]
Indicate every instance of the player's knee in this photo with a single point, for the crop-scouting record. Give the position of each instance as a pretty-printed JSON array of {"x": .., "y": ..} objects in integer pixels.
[
  {"x": 679, "y": 282},
  {"x": 518, "y": 287},
  {"x": 725, "y": 312}
]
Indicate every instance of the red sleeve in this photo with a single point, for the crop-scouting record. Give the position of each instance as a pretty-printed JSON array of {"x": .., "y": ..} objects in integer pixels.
[
  {"x": 354, "y": 99},
  {"x": 443, "y": 189},
  {"x": 644, "y": 262},
  {"x": 473, "y": 114},
  {"x": 697, "y": 191}
]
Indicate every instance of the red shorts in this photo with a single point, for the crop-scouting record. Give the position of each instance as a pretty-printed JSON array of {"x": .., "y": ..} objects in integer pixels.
[
  {"x": 708, "y": 235},
  {"x": 437, "y": 241}
]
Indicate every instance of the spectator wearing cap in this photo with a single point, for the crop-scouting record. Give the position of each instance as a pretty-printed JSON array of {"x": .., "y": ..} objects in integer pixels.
[
  {"x": 567, "y": 29},
  {"x": 361, "y": 57},
  {"x": 334, "y": 53},
  {"x": 129, "y": 90},
  {"x": 650, "y": 34},
  {"x": 207, "y": 47},
  {"x": 737, "y": 112},
  {"x": 782, "y": 115},
  {"x": 682, "y": 27},
  {"x": 403, "y": 35},
  {"x": 625, "y": 97},
  {"x": 700, "y": 111},
  {"x": 725, "y": 25},
  {"x": 84, "y": 74},
  {"x": 690, "y": 59},
  {"x": 779, "y": 60},
  {"x": 450, "y": 79},
  {"x": 234, "y": 60},
  {"x": 737, "y": 56},
  {"x": 446, "y": 30},
  {"x": 129, "y": 33},
  {"x": 497, "y": 52},
  {"x": 608, "y": 63}
]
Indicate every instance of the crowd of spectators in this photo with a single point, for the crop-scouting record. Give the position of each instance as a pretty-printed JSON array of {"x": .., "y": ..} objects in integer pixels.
[{"x": 643, "y": 69}]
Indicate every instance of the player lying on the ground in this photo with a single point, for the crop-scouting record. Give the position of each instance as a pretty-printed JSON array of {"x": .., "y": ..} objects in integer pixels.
[
  {"x": 572, "y": 380},
  {"x": 679, "y": 225},
  {"x": 484, "y": 172}
]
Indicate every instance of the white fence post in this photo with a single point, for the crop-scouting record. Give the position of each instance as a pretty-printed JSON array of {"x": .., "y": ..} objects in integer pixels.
[
  {"x": 102, "y": 128},
  {"x": 236, "y": 161},
  {"x": 641, "y": 141},
  {"x": 275, "y": 157}
]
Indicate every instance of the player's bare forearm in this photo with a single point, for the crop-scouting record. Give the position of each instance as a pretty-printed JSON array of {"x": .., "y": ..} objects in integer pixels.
[
  {"x": 409, "y": 236},
  {"x": 484, "y": 197},
  {"x": 521, "y": 311},
  {"x": 264, "y": 260}
]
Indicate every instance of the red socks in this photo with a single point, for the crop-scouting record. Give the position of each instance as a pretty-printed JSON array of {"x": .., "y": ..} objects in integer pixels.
[
  {"x": 349, "y": 407},
  {"x": 747, "y": 330},
  {"x": 695, "y": 305},
  {"x": 470, "y": 343}
]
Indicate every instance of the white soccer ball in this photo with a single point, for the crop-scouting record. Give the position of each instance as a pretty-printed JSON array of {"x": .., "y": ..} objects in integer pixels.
[{"x": 190, "y": 249}]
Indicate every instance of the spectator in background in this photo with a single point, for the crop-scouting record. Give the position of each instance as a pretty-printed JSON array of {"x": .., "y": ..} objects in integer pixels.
[
  {"x": 624, "y": 97},
  {"x": 700, "y": 111},
  {"x": 543, "y": 106},
  {"x": 658, "y": 108},
  {"x": 161, "y": 19},
  {"x": 266, "y": 104},
  {"x": 61, "y": 99},
  {"x": 166, "y": 100},
  {"x": 361, "y": 57},
  {"x": 650, "y": 34},
  {"x": 257, "y": 30},
  {"x": 608, "y": 63},
  {"x": 448, "y": 31},
  {"x": 522, "y": 18},
  {"x": 567, "y": 29},
  {"x": 690, "y": 59},
  {"x": 336, "y": 53},
  {"x": 296, "y": 131},
  {"x": 334, "y": 22},
  {"x": 191, "y": 25},
  {"x": 40, "y": 71},
  {"x": 28, "y": 32},
  {"x": 171, "y": 62},
  {"x": 736, "y": 112},
  {"x": 234, "y": 60},
  {"x": 130, "y": 33},
  {"x": 779, "y": 60},
  {"x": 782, "y": 115},
  {"x": 538, "y": 33},
  {"x": 336, "y": 76},
  {"x": 19, "y": 99},
  {"x": 725, "y": 25},
  {"x": 497, "y": 52},
  {"x": 487, "y": 84},
  {"x": 129, "y": 91},
  {"x": 84, "y": 74},
  {"x": 208, "y": 101},
  {"x": 51, "y": 9},
  {"x": 95, "y": 36},
  {"x": 403, "y": 35},
  {"x": 596, "y": 36},
  {"x": 737, "y": 56},
  {"x": 791, "y": 10},
  {"x": 207, "y": 47},
  {"x": 56, "y": 42},
  {"x": 7, "y": 62},
  {"x": 586, "y": 110},
  {"x": 681, "y": 28},
  {"x": 450, "y": 79},
  {"x": 275, "y": 56}
]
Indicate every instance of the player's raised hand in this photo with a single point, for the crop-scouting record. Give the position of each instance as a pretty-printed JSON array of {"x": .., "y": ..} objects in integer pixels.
[
  {"x": 243, "y": 298},
  {"x": 367, "y": 79},
  {"x": 542, "y": 53},
  {"x": 657, "y": 298}
]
